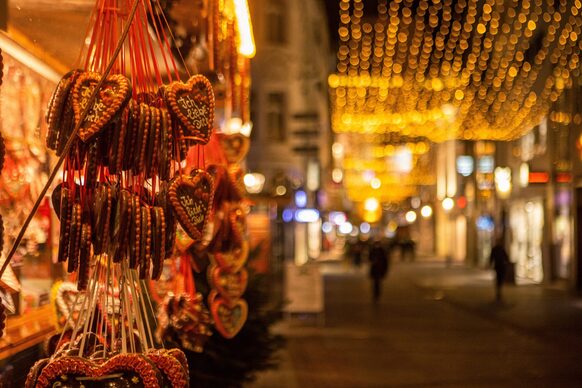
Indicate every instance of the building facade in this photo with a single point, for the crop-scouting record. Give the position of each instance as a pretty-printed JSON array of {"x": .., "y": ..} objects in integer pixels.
[{"x": 291, "y": 132}]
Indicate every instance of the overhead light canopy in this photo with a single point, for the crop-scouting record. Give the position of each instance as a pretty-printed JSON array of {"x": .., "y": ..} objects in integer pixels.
[{"x": 448, "y": 69}]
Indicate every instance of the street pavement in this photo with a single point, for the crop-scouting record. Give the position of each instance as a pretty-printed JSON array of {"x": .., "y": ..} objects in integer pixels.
[{"x": 435, "y": 326}]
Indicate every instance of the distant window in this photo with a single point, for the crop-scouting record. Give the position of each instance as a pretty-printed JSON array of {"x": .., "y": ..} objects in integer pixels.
[
  {"x": 276, "y": 23},
  {"x": 276, "y": 123}
]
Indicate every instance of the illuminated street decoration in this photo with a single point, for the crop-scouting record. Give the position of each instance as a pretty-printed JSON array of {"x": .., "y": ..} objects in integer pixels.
[
  {"x": 246, "y": 43},
  {"x": 467, "y": 69},
  {"x": 389, "y": 178}
]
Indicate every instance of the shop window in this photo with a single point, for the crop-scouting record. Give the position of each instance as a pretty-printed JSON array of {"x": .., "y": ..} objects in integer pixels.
[
  {"x": 25, "y": 289},
  {"x": 276, "y": 123},
  {"x": 276, "y": 21}
]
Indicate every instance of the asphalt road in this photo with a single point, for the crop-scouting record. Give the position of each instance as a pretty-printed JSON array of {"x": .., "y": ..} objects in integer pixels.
[{"x": 433, "y": 327}]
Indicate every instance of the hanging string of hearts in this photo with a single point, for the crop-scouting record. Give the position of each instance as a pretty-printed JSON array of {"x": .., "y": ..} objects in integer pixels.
[{"x": 123, "y": 138}]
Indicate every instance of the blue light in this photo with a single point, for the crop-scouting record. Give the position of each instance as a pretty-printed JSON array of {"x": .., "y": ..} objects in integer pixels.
[
  {"x": 287, "y": 215},
  {"x": 306, "y": 215},
  {"x": 365, "y": 228},
  {"x": 485, "y": 223},
  {"x": 300, "y": 198}
]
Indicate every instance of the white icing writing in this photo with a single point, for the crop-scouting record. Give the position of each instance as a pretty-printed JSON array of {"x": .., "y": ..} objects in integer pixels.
[
  {"x": 196, "y": 112},
  {"x": 195, "y": 210}
]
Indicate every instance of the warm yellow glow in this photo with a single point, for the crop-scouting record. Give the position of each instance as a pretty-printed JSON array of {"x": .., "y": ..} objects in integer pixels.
[
  {"x": 470, "y": 80},
  {"x": 375, "y": 183},
  {"x": 503, "y": 181},
  {"x": 254, "y": 182},
  {"x": 246, "y": 45},
  {"x": 337, "y": 175},
  {"x": 371, "y": 204},
  {"x": 371, "y": 217},
  {"x": 434, "y": 71},
  {"x": 410, "y": 216},
  {"x": 448, "y": 204},
  {"x": 426, "y": 211},
  {"x": 337, "y": 150}
]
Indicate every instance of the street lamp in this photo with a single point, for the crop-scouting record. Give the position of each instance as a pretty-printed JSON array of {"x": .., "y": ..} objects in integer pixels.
[
  {"x": 448, "y": 204},
  {"x": 426, "y": 211},
  {"x": 410, "y": 216}
]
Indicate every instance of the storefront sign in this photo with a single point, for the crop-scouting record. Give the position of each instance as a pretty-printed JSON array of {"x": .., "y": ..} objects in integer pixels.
[
  {"x": 538, "y": 177},
  {"x": 563, "y": 177}
]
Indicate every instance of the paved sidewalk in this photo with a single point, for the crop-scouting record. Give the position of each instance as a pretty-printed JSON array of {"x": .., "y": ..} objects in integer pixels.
[{"x": 434, "y": 327}]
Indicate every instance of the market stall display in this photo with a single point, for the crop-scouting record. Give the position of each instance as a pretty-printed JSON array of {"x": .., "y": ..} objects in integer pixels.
[
  {"x": 121, "y": 144},
  {"x": 142, "y": 168}
]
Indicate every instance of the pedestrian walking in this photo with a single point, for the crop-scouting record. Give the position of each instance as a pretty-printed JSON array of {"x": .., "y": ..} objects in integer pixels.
[
  {"x": 379, "y": 265},
  {"x": 499, "y": 260}
]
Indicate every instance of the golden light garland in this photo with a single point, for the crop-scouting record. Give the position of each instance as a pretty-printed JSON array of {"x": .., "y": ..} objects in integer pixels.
[
  {"x": 372, "y": 170},
  {"x": 444, "y": 69}
]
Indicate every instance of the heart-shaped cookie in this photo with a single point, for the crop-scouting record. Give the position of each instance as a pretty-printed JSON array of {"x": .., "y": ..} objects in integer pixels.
[
  {"x": 110, "y": 100},
  {"x": 233, "y": 260},
  {"x": 229, "y": 318},
  {"x": 235, "y": 146},
  {"x": 133, "y": 367},
  {"x": 170, "y": 364},
  {"x": 192, "y": 104},
  {"x": 191, "y": 201},
  {"x": 230, "y": 285}
]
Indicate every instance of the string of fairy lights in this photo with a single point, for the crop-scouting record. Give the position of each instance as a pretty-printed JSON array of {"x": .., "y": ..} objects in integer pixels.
[
  {"x": 444, "y": 69},
  {"x": 435, "y": 70}
]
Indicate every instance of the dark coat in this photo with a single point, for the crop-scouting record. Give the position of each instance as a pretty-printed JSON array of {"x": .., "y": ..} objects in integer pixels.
[
  {"x": 499, "y": 260},
  {"x": 378, "y": 262}
]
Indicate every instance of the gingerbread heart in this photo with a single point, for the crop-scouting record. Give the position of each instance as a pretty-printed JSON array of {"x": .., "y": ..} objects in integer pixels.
[
  {"x": 192, "y": 104},
  {"x": 135, "y": 368},
  {"x": 229, "y": 318},
  {"x": 235, "y": 146},
  {"x": 110, "y": 100},
  {"x": 191, "y": 201},
  {"x": 230, "y": 285},
  {"x": 233, "y": 260},
  {"x": 171, "y": 364}
]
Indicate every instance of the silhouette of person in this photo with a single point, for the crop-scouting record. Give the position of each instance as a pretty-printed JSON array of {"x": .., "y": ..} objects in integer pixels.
[
  {"x": 378, "y": 268},
  {"x": 499, "y": 260},
  {"x": 358, "y": 252}
]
